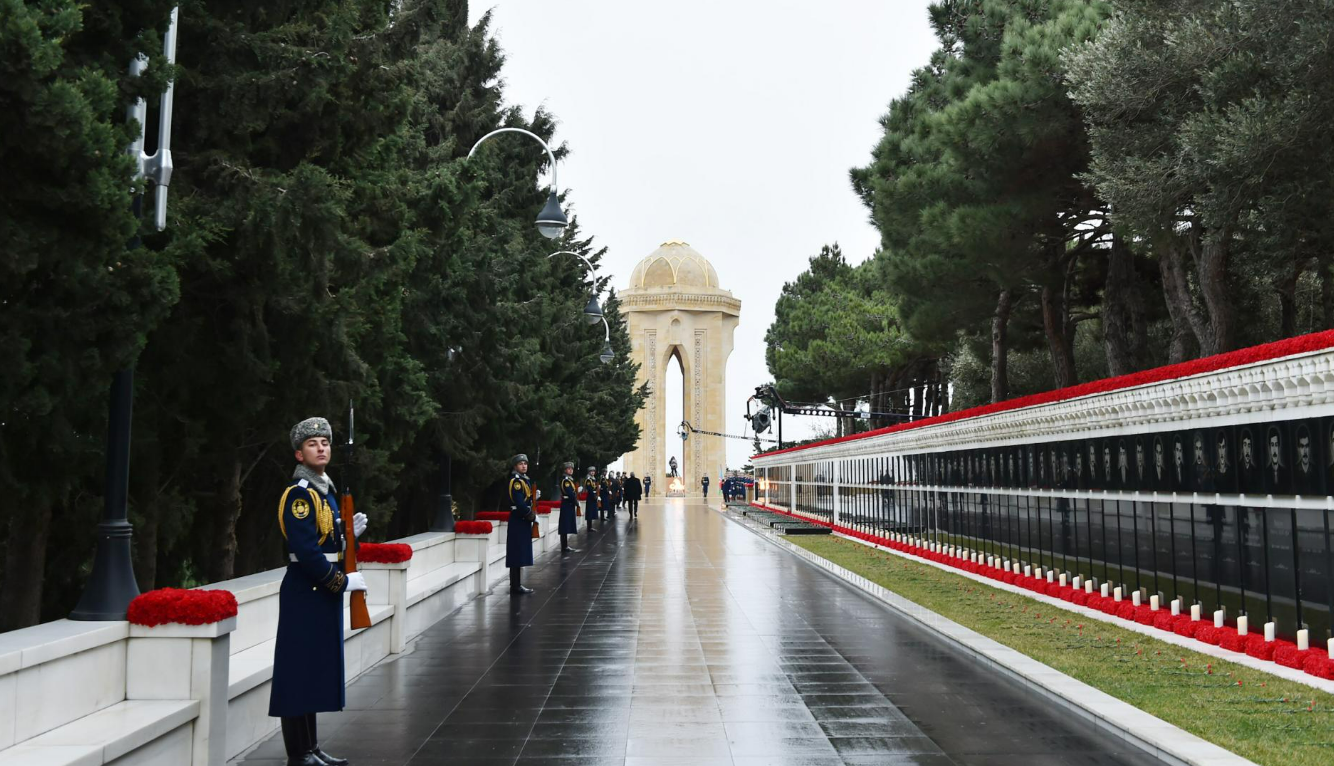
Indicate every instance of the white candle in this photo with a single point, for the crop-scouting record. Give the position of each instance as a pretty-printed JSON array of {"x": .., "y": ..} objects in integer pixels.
[
  {"x": 1176, "y": 606},
  {"x": 1062, "y": 579},
  {"x": 1303, "y": 640},
  {"x": 1195, "y": 612},
  {"x": 1051, "y": 575},
  {"x": 1269, "y": 631},
  {"x": 1077, "y": 583},
  {"x": 1134, "y": 598},
  {"x": 1028, "y": 570},
  {"x": 1330, "y": 644},
  {"x": 1088, "y": 586},
  {"x": 1106, "y": 589},
  {"x": 1218, "y": 618},
  {"x": 1116, "y": 594},
  {"x": 1153, "y": 603},
  {"x": 1242, "y": 624}
]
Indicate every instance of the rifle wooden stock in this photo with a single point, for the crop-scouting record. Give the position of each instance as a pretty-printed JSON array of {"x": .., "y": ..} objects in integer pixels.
[{"x": 361, "y": 616}]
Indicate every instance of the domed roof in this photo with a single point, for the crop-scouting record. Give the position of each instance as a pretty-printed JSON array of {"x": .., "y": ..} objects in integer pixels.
[{"x": 674, "y": 264}]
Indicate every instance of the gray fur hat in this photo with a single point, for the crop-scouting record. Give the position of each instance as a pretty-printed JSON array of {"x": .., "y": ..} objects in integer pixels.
[
  {"x": 309, "y": 429},
  {"x": 567, "y": 464},
  {"x": 519, "y": 458}
]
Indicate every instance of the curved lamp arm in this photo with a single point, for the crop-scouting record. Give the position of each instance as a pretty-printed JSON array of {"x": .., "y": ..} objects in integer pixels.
[
  {"x": 587, "y": 262},
  {"x": 534, "y": 136},
  {"x": 606, "y": 330}
]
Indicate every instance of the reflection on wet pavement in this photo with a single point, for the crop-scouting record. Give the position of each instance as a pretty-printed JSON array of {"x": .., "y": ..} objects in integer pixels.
[{"x": 683, "y": 638}]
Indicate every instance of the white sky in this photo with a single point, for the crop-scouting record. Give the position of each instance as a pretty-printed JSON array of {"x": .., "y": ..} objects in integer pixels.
[{"x": 728, "y": 124}]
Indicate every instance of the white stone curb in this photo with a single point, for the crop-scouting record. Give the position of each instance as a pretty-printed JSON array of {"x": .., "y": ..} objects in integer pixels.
[{"x": 1147, "y": 732}]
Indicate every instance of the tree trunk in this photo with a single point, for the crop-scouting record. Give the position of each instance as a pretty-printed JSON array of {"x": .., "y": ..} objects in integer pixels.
[
  {"x": 1287, "y": 301},
  {"x": 222, "y": 562},
  {"x": 1060, "y": 340},
  {"x": 1000, "y": 346},
  {"x": 1326, "y": 298},
  {"x": 1212, "y": 271},
  {"x": 25, "y": 568},
  {"x": 1124, "y": 326},
  {"x": 1187, "y": 322}
]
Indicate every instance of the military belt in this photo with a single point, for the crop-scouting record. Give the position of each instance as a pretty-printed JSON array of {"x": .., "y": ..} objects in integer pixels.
[{"x": 334, "y": 557}]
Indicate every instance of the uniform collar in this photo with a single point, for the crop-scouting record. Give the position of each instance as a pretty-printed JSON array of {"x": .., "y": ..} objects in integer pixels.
[{"x": 321, "y": 481}]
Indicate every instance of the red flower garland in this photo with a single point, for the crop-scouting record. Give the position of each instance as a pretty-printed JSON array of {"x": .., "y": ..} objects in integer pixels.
[
  {"x": 1263, "y": 353},
  {"x": 185, "y": 607},
  {"x": 1315, "y": 662},
  {"x": 472, "y": 527},
  {"x": 383, "y": 553},
  {"x": 493, "y": 516}
]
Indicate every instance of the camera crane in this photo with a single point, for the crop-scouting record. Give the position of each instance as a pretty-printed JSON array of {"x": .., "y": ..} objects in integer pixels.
[{"x": 768, "y": 395}]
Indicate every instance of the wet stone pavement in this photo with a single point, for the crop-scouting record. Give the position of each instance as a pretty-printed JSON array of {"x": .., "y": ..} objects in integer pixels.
[{"x": 684, "y": 638}]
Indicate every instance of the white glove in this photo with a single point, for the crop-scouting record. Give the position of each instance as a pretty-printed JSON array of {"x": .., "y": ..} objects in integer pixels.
[
  {"x": 358, "y": 523},
  {"x": 538, "y": 493},
  {"x": 356, "y": 581}
]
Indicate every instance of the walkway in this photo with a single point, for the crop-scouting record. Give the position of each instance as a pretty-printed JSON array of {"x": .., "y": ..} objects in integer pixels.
[{"x": 683, "y": 638}]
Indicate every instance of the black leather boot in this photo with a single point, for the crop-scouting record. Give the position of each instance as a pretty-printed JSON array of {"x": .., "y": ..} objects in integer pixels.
[
  {"x": 315, "y": 750},
  {"x": 515, "y": 588},
  {"x": 297, "y": 743}
]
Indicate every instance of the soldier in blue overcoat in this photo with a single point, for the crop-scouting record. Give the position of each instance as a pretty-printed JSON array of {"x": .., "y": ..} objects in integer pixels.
[
  {"x": 569, "y": 503},
  {"x": 591, "y": 497},
  {"x": 519, "y": 537},
  {"x": 308, "y": 654}
]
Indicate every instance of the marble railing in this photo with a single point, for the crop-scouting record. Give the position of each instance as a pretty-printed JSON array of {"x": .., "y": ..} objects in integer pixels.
[{"x": 103, "y": 692}]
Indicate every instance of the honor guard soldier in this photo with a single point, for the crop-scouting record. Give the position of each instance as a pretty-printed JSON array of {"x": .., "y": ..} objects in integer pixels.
[
  {"x": 591, "y": 497},
  {"x": 569, "y": 502},
  {"x": 648, "y": 486},
  {"x": 308, "y": 654},
  {"x": 704, "y": 482},
  {"x": 519, "y": 537},
  {"x": 604, "y": 499}
]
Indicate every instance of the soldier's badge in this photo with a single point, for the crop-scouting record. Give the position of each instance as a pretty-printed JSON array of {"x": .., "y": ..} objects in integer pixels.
[{"x": 300, "y": 508}]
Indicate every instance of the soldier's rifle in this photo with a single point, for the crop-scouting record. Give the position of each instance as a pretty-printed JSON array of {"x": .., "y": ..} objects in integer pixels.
[{"x": 361, "y": 616}]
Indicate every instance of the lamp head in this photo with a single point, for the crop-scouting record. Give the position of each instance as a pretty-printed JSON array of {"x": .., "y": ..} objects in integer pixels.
[
  {"x": 593, "y": 312},
  {"x": 607, "y": 353},
  {"x": 552, "y": 221}
]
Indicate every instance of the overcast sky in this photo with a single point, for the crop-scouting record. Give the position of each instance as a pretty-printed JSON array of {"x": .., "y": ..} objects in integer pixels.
[{"x": 730, "y": 125}]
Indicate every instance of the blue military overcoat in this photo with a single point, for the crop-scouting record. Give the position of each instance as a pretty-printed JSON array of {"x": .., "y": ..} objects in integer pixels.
[
  {"x": 605, "y": 498},
  {"x": 308, "y": 655},
  {"x": 519, "y": 536},
  {"x": 590, "y": 498},
  {"x": 569, "y": 501}
]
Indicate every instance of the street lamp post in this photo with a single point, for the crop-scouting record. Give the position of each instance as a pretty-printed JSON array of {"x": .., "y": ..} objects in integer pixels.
[
  {"x": 444, "y": 509},
  {"x": 111, "y": 586},
  {"x": 607, "y": 353},
  {"x": 551, "y": 222}
]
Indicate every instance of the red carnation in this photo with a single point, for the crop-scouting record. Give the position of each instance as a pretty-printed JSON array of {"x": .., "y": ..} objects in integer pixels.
[
  {"x": 1080, "y": 598},
  {"x": 1257, "y": 647},
  {"x": 185, "y": 607},
  {"x": 473, "y": 527},
  {"x": 1187, "y": 627},
  {"x": 1289, "y": 656},
  {"x": 1144, "y": 615},
  {"x": 383, "y": 553},
  {"x": 493, "y": 516},
  {"x": 1053, "y": 589},
  {"x": 1318, "y": 664},
  {"x": 1232, "y": 641},
  {"x": 1164, "y": 620},
  {"x": 1209, "y": 634},
  {"x": 1126, "y": 611}
]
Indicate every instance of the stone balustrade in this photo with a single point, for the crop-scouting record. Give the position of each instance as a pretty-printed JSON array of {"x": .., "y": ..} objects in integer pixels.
[{"x": 91, "y": 693}]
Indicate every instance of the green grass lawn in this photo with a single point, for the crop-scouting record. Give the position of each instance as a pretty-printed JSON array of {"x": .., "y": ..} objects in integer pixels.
[{"x": 1254, "y": 714}]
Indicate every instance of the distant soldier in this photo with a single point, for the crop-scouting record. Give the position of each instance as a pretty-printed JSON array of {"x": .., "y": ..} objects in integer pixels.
[
  {"x": 591, "y": 497},
  {"x": 704, "y": 482},
  {"x": 604, "y": 499},
  {"x": 308, "y": 653},
  {"x": 519, "y": 536},
  {"x": 618, "y": 491},
  {"x": 648, "y": 480},
  {"x": 569, "y": 502},
  {"x": 634, "y": 490}
]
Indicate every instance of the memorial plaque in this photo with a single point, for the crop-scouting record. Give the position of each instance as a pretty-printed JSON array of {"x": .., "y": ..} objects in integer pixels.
[{"x": 1250, "y": 473}]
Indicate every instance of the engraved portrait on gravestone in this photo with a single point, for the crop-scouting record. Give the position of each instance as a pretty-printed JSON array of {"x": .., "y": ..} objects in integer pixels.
[
  {"x": 1201, "y": 473},
  {"x": 1042, "y": 468},
  {"x": 1225, "y": 474},
  {"x": 1107, "y": 462},
  {"x": 1306, "y": 474},
  {"x": 1032, "y": 472},
  {"x": 1123, "y": 463},
  {"x": 1178, "y": 462},
  {"x": 1079, "y": 467},
  {"x": 1139, "y": 461},
  {"x": 1013, "y": 475},
  {"x": 1093, "y": 463},
  {"x": 1250, "y": 476},
  {"x": 1276, "y": 468},
  {"x": 1160, "y": 474}
]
